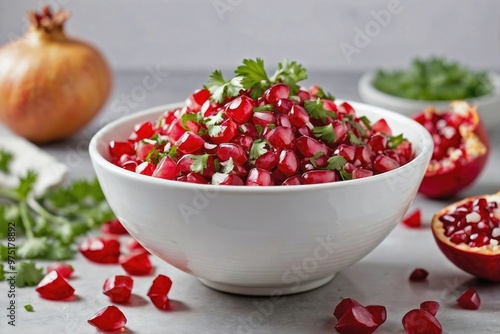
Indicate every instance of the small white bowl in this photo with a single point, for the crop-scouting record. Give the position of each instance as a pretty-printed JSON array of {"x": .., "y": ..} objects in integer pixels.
[
  {"x": 488, "y": 105},
  {"x": 261, "y": 240}
]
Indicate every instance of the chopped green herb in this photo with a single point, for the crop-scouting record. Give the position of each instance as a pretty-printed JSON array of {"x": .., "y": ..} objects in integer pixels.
[
  {"x": 258, "y": 148},
  {"x": 325, "y": 132},
  {"x": 366, "y": 122},
  {"x": 394, "y": 141},
  {"x": 199, "y": 162},
  {"x": 221, "y": 89},
  {"x": 254, "y": 76},
  {"x": 354, "y": 139},
  {"x": 229, "y": 166},
  {"x": 265, "y": 107},
  {"x": 28, "y": 274},
  {"x": 337, "y": 162},
  {"x": 5, "y": 161},
  {"x": 316, "y": 110},
  {"x": 324, "y": 95},
  {"x": 290, "y": 73},
  {"x": 315, "y": 157}
]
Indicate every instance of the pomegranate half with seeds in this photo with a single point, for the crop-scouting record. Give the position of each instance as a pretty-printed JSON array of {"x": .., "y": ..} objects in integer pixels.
[
  {"x": 461, "y": 148},
  {"x": 468, "y": 233}
]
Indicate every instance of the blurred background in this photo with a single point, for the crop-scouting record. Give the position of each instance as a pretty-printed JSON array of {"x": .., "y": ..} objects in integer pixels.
[{"x": 321, "y": 34}]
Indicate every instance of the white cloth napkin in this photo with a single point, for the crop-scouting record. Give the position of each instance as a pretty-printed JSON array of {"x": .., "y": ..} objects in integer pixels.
[{"x": 28, "y": 156}]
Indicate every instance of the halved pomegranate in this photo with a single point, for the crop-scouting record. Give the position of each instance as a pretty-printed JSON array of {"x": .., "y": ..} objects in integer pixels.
[
  {"x": 461, "y": 148},
  {"x": 468, "y": 233}
]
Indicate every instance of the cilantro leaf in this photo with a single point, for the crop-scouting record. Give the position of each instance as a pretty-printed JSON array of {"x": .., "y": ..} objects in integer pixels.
[
  {"x": 315, "y": 157},
  {"x": 214, "y": 129},
  {"x": 258, "y": 148},
  {"x": 325, "y": 132},
  {"x": 29, "y": 308},
  {"x": 290, "y": 73},
  {"x": 196, "y": 117},
  {"x": 220, "y": 89},
  {"x": 394, "y": 141},
  {"x": 4, "y": 252},
  {"x": 337, "y": 162},
  {"x": 2, "y": 272},
  {"x": 228, "y": 168},
  {"x": 354, "y": 139},
  {"x": 366, "y": 122},
  {"x": 265, "y": 107},
  {"x": 33, "y": 248},
  {"x": 26, "y": 184},
  {"x": 172, "y": 152},
  {"x": 5, "y": 161},
  {"x": 316, "y": 110},
  {"x": 28, "y": 274},
  {"x": 254, "y": 76},
  {"x": 259, "y": 129},
  {"x": 198, "y": 162},
  {"x": 324, "y": 95}
]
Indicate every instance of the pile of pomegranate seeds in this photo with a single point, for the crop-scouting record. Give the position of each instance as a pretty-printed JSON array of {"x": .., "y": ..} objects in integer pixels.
[
  {"x": 474, "y": 223},
  {"x": 261, "y": 133}
]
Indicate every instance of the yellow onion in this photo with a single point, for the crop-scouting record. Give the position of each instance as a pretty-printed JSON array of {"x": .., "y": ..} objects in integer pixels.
[{"x": 51, "y": 85}]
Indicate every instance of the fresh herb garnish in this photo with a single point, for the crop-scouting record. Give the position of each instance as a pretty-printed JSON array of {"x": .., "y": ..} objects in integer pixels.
[
  {"x": 395, "y": 141},
  {"x": 325, "y": 132},
  {"x": 221, "y": 89},
  {"x": 316, "y": 157},
  {"x": 316, "y": 110},
  {"x": 258, "y": 148},
  {"x": 324, "y": 95},
  {"x": 354, "y": 139},
  {"x": 198, "y": 162},
  {"x": 28, "y": 274},
  {"x": 5, "y": 161}
]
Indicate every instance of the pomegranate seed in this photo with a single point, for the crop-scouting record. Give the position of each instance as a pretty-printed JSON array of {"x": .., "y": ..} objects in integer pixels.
[
  {"x": 259, "y": 177},
  {"x": 377, "y": 143},
  {"x": 430, "y": 306},
  {"x": 283, "y": 120},
  {"x": 118, "y": 148},
  {"x": 142, "y": 131},
  {"x": 189, "y": 142},
  {"x": 130, "y": 166},
  {"x": 413, "y": 220},
  {"x": 195, "y": 178},
  {"x": 347, "y": 151},
  {"x": 158, "y": 292},
  {"x": 298, "y": 116},
  {"x": 263, "y": 118},
  {"x": 276, "y": 92},
  {"x": 469, "y": 300},
  {"x": 308, "y": 147},
  {"x": 198, "y": 98},
  {"x": 304, "y": 131},
  {"x": 227, "y": 133},
  {"x": 267, "y": 161},
  {"x": 343, "y": 307},
  {"x": 209, "y": 108},
  {"x": 378, "y": 312},
  {"x": 244, "y": 141},
  {"x": 113, "y": 226},
  {"x": 346, "y": 108},
  {"x": 354, "y": 318},
  {"x": 55, "y": 287},
  {"x": 249, "y": 130},
  {"x": 65, "y": 270},
  {"x": 359, "y": 173},
  {"x": 108, "y": 319},
  {"x": 383, "y": 164},
  {"x": 118, "y": 288},
  {"x": 281, "y": 137},
  {"x": 319, "y": 176},
  {"x": 284, "y": 105},
  {"x": 234, "y": 151},
  {"x": 166, "y": 169},
  {"x": 136, "y": 263},
  {"x": 288, "y": 163},
  {"x": 340, "y": 130},
  {"x": 329, "y": 105},
  {"x": 363, "y": 155},
  {"x": 240, "y": 109},
  {"x": 381, "y": 126},
  {"x": 175, "y": 130},
  {"x": 419, "y": 275},
  {"x": 227, "y": 180},
  {"x": 418, "y": 322},
  {"x": 145, "y": 168},
  {"x": 100, "y": 250},
  {"x": 293, "y": 181}
]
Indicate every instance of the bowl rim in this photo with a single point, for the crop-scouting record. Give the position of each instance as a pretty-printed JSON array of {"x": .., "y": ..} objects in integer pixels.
[
  {"x": 365, "y": 85},
  {"x": 97, "y": 158}
]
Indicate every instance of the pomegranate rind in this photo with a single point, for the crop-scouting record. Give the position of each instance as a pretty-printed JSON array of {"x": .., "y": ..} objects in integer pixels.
[
  {"x": 481, "y": 262},
  {"x": 445, "y": 183}
]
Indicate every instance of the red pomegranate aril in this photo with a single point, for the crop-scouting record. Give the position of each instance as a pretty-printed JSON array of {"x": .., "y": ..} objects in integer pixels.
[
  {"x": 319, "y": 176},
  {"x": 340, "y": 130},
  {"x": 304, "y": 95},
  {"x": 189, "y": 142},
  {"x": 430, "y": 306},
  {"x": 288, "y": 163},
  {"x": 383, "y": 163},
  {"x": 119, "y": 148},
  {"x": 198, "y": 98},
  {"x": 142, "y": 131},
  {"x": 284, "y": 105},
  {"x": 232, "y": 151},
  {"x": 280, "y": 137},
  {"x": 346, "y": 108},
  {"x": 118, "y": 288},
  {"x": 421, "y": 322},
  {"x": 134, "y": 246},
  {"x": 227, "y": 133},
  {"x": 294, "y": 180},
  {"x": 143, "y": 149},
  {"x": 363, "y": 155},
  {"x": 55, "y": 287},
  {"x": 347, "y": 151},
  {"x": 227, "y": 180},
  {"x": 175, "y": 130},
  {"x": 248, "y": 129},
  {"x": 377, "y": 143},
  {"x": 263, "y": 119},
  {"x": 158, "y": 292},
  {"x": 276, "y": 92},
  {"x": 354, "y": 318},
  {"x": 304, "y": 131},
  {"x": 267, "y": 161},
  {"x": 283, "y": 120},
  {"x": 259, "y": 177},
  {"x": 130, "y": 166},
  {"x": 239, "y": 170},
  {"x": 478, "y": 239},
  {"x": 359, "y": 173},
  {"x": 113, "y": 226},
  {"x": 240, "y": 109},
  {"x": 166, "y": 169},
  {"x": 195, "y": 178},
  {"x": 381, "y": 126},
  {"x": 209, "y": 108},
  {"x": 469, "y": 300},
  {"x": 298, "y": 116},
  {"x": 278, "y": 177},
  {"x": 136, "y": 263},
  {"x": 413, "y": 220},
  {"x": 100, "y": 250},
  {"x": 244, "y": 141},
  {"x": 378, "y": 312},
  {"x": 419, "y": 275},
  {"x": 64, "y": 269},
  {"x": 308, "y": 147},
  {"x": 145, "y": 168},
  {"x": 108, "y": 319},
  {"x": 329, "y": 105},
  {"x": 344, "y": 306}
]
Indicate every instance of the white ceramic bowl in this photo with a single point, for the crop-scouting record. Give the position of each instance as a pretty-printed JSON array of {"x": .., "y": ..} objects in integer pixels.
[
  {"x": 260, "y": 240},
  {"x": 488, "y": 106}
]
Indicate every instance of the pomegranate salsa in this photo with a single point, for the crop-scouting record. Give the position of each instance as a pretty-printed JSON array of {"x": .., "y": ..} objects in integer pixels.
[{"x": 261, "y": 130}]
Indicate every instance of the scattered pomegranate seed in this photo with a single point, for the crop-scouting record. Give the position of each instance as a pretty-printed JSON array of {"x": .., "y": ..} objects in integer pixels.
[
  {"x": 134, "y": 246},
  {"x": 100, "y": 250},
  {"x": 54, "y": 286},
  {"x": 430, "y": 306},
  {"x": 419, "y": 321},
  {"x": 354, "y": 318},
  {"x": 419, "y": 275},
  {"x": 469, "y": 300},
  {"x": 114, "y": 226},
  {"x": 413, "y": 219},
  {"x": 118, "y": 288},
  {"x": 110, "y": 318},
  {"x": 158, "y": 293},
  {"x": 65, "y": 270},
  {"x": 136, "y": 263}
]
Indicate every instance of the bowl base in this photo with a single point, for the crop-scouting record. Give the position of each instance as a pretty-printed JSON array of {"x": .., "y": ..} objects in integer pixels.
[{"x": 267, "y": 291}]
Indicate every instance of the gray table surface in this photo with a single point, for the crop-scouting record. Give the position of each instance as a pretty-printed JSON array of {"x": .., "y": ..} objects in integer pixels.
[{"x": 380, "y": 278}]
